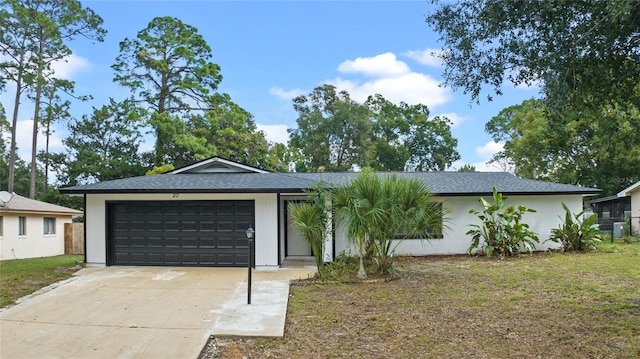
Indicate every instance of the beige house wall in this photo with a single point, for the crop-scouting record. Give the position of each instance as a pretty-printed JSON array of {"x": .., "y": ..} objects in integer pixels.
[
  {"x": 635, "y": 211},
  {"x": 35, "y": 243}
]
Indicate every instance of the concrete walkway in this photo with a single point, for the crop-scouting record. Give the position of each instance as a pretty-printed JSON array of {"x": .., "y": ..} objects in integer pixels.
[{"x": 145, "y": 312}]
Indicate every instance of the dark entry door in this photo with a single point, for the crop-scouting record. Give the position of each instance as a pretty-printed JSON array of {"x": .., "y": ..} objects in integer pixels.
[{"x": 180, "y": 233}]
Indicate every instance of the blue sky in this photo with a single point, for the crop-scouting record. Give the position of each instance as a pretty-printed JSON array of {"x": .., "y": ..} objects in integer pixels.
[{"x": 270, "y": 52}]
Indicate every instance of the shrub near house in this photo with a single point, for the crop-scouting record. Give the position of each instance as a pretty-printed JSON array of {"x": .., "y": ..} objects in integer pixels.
[
  {"x": 576, "y": 234},
  {"x": 502, "y": 230}
]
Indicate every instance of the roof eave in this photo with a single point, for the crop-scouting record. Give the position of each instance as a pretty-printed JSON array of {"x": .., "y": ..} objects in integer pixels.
[
  {"x": 515, "y": 193},
  {"x": 301, "y": 190},
  {"x": 179, "y": 190},
  {"x": 27, "y": 211},
  {"x": 627, "y": 191}
]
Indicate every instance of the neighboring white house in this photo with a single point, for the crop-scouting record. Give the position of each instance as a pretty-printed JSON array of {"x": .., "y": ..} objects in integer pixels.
[
  {"x": 633, "y": 191},
  {"x": 197, "y": 215},
  {"x": 30, "y": 228}
]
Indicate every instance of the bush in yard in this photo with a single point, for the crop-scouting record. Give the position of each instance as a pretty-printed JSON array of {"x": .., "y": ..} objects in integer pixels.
[
  {"x": 502, "y": 231},
  {"x": 576, "y": 234},
  {"x": 309, "y": 219},
  {"x": 379, "y": 212}
]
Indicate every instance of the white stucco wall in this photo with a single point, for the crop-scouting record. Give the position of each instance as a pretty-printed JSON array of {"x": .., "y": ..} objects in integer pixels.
[
  {"x": 266, "y": 226},
  {"x": 635, "y": 211},
  {"x": 35, "y": 243},
  {"x": 455, "y": 241}
]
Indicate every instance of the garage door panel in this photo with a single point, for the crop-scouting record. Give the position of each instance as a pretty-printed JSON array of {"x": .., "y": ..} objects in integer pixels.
[
  {"x": 241, "y": 226},
  {"x": 244, "y": 210},
  {"x": 155, "y": 241},
  {"x": 225, "y": 226},
  {"x": 192, "y": 233}
]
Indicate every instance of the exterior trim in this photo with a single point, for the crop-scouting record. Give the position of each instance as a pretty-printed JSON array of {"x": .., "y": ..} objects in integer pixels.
[
  {"x": 169, "y": 190},
  {"x": 627, "y": 191},
  {"x": 279, "y": 228},
  {"x": 54, "y": 213},
  {"x": 84, "y": 228},
  {"x": 217, "y": 159},
  {"x": 301, "y": 190}
]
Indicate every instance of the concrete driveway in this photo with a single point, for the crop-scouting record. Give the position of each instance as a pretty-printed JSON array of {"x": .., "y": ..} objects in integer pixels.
[{"x": 145, "y": 312}]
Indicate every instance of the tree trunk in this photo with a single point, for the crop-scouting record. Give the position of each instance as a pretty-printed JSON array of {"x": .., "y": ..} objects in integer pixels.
[
  {"x": 46, "y": 152},
  {"x": 14, "y": 124},
  {"x": 36, "y": 112}
]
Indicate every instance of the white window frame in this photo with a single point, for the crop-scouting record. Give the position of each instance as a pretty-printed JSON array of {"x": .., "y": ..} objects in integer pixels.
[
  {"x": 49, "y": 225},
  {"x": 22, "y": 226}
]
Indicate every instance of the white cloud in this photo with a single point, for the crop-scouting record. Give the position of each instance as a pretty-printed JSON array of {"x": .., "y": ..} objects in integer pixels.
[
  {"x": 489, "y": 149},
  {"x": 24, "y": 131},
  {"x": 486, "y": 152},
  {"x": 413, "y": 88},
  {"x": 383, "y": 65},
  {"x": 455, "y": 119},
  {"x": 275, "y": 133},
  {"x": 286, "y": 94},
  {"x": 390, "y": 77},
  {"x": 428, "y": 57},
  {"x": 489, "y": 167},
  {"x": 69, "y": 66},
  {"x": 386, "y": 75}
]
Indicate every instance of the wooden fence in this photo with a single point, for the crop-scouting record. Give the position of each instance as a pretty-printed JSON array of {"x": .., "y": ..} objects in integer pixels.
[{"x": 74, "y": 238}]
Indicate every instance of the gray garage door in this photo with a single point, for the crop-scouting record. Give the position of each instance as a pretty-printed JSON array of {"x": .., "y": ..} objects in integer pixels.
[{"x": 181, "y": 233}]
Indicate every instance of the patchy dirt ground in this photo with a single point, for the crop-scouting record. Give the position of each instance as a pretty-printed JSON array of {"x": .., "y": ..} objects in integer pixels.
[{"x": 545, "y": 306}]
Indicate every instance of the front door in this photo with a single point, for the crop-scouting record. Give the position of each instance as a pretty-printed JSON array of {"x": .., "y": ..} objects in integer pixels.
[{"x": 296, "y": 244}]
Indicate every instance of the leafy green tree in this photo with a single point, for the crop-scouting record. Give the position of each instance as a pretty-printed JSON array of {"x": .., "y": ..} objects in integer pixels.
[
  {"x": 168, "y": 69},
  {"x": 104, "y": 146},
  {"x": 54, "y": 196},
  {"x": 159, "y": 170},
  {"x": 20, "y": 168},
  {"x": 406, "y": 139},
  {"x": 333, "y": 130},
  {"x": 582, "y": 53},
  {"x": 283, "y": 158},
  {"x": 15, "y": 45},
  {"x": 36, "y": 36},
  {"x": 336, "y": 133},
  {"x": 55, "y": 109},
  {"x": 597, "y": 148},
  {"x": 380, "y": 212},
  {"x": 225, "y": 130},
  {"x": 467, "y": 168}
]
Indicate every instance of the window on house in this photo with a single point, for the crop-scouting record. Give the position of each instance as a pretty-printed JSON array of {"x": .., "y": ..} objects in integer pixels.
[
  {"x": 434, "y": 231},
  {"x": 22, "y": 226},
  {"x": 49, "y": 225},
  {"x": 1, "y": 226}
]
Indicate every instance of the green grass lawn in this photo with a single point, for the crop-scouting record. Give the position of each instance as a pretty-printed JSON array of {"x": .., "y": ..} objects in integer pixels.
[
  {"x": 20, "y": 277},
  {"x": 549, "y": 305}
]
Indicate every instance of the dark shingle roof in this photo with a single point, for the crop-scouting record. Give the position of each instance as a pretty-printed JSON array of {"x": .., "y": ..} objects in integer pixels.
[
  {"x": 442, "y": 183},
  {"x": 466, "y": 183},
  {"x": 196, "y": 182}
]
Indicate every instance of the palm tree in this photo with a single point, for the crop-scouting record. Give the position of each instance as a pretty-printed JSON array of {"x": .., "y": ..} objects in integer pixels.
[
  {"x": 309, "y": 220},
  {"x": 380, "y": 212},
  {"x": 360, "y": 204}
]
